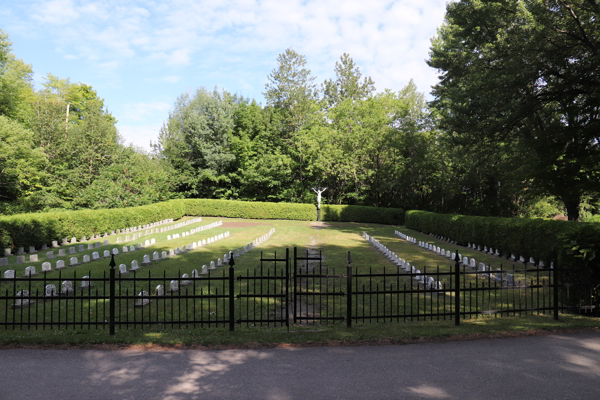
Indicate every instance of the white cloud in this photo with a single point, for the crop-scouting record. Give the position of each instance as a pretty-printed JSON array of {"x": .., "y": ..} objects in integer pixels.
[
  {"x": 179, "y": 58},
  {"x": 55, "y": 12},
  {"x": 171, "y": 79},
  {"x": 142, "y": 111},
  {"x": 139, "y": 135}
]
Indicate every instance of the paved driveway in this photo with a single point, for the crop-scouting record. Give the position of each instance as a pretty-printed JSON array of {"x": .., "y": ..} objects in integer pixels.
[{"x": 547, "y": 367}]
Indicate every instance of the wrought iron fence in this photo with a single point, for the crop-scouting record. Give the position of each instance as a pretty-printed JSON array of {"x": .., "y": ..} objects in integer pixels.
[{"x": 277, "y": 293}]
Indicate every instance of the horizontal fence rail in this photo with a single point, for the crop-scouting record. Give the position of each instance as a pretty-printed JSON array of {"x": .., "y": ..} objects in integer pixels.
[{"x": 278, "y": 293}]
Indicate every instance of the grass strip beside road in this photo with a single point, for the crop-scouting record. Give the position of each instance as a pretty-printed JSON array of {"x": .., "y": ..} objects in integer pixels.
[{"x": 315, "y": 335}]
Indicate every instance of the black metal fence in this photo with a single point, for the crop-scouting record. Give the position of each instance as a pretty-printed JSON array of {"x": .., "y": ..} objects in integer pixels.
[{"x": 276, "y": 294}]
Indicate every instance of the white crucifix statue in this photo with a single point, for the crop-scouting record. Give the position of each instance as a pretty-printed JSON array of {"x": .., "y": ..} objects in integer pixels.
[{"x": 318, "y": 190}]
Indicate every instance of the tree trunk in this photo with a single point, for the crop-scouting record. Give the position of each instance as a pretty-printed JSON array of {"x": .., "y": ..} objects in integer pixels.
[{"x": 572, "y": 209}]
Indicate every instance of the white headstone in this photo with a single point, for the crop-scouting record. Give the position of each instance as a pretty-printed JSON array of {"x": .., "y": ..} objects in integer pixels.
[
  {"x": 174, "y": 286},
  {"x": 212, "y": 265},
  {"x": 85, "y": 283},
  {"x": 155, "y": 256},
  {"x": 30, "y": 271},
  {"x": 144, "y": 300},
  {"x": 50, "y": 291},
  {"x": 160, "y": 290},
  {"x": 66, "y": 287},
  {"x": 95, "y": 255},
  {"x": 22, "y": 302},
  {"x": 134, "y": 265},
  {"x": 60, "y": 264},
  {"x": 9, "y": 274},
  {"x": 106, "y": 253},
  {"x": 73, "y": 261},
  {"x": 122, "y": 269},
  {"x": 46, "y": 267},
  {"x": 115, "y": 251}
]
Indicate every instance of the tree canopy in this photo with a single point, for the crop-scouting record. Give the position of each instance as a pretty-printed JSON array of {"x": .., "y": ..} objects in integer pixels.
[{"x": 520, "y": 79}]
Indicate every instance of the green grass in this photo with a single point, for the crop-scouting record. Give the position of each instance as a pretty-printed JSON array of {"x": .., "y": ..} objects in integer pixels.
[
  {"x": 327, "y": 335},
  {"x": 335, "y": 239}
]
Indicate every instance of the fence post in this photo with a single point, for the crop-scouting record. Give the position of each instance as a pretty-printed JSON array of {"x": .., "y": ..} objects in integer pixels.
[
  {"x": 456, "y": 289},
  {"x": 349, "y": 295},
  {"x": 111, "y": 299},
  {"x": 555, "y": 279},
  {"x": 295, "y": 266},
  {"x": 231, "y": 294},
  {"x": 287, "y": 288}
]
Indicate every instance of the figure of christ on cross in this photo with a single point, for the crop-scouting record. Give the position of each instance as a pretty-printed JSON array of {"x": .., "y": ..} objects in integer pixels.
[{"x": 318, "y": 190}]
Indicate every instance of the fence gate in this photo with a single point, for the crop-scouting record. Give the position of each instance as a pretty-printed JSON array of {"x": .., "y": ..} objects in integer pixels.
[
  {"x": 318, "y": 290},
  {"x": 263, "y": 293}
]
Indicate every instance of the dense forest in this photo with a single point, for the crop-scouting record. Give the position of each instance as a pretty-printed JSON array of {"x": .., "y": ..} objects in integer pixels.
[{"x": 513, "y": 129}]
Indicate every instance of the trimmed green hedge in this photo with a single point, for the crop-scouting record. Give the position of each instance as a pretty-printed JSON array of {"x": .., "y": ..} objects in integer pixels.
[
  {"x": 252, "y": 210},
  {"x": 576, "y": 243},
  {"x": 377, "y": 215}
]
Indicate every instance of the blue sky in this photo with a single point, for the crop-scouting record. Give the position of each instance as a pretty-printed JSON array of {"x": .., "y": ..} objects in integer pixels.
[{"x": 140, "y": 55}]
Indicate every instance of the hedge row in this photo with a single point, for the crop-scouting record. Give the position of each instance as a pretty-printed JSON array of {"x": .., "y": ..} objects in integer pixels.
[
  {"x": 576, "y": 243},
  {"x": 377, "y": 215},
  {"x": 252, "y": 210}
]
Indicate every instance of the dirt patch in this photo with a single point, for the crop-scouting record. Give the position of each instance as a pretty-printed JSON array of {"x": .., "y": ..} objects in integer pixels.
[
  {"x": 227, "y": 224},
  {"x": 320, "y": 225}
]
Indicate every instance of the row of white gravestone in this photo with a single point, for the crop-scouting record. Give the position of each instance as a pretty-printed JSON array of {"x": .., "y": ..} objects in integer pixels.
[
  {"x": 427, "y": 281},
  {"x": 50, "y": 291},
  {"x": 195, "y": 230},
  {"x": 177, "y": 225},
  {"x": 146, "y": 226},
  {"x": 409, "y": 239},
  {"x": 73, "y": 261},
  {"x": 73, "y": 240},
  {"x": 168, "y": 228},
  {"x": 495, "y": 252},
  {"x": 174, "y": 285},
  {"x": 500, "y": 276},
  {"x": 50, "y": 254}
]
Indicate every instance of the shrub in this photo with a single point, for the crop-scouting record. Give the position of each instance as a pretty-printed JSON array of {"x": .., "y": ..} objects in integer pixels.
[
  {"x": 378, "y": 215},
  {"x": 577, "y": 244}
]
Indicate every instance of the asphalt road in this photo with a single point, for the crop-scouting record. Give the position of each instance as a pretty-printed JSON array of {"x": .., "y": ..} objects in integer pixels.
[{"x": 546, "y": 367}]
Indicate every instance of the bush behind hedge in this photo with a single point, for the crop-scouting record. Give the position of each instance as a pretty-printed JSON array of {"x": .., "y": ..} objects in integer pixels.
[{"x": 576, "y": 243}]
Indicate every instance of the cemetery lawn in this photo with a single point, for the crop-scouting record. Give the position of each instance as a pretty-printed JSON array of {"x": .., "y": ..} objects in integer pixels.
[
  {"x": 367, "y": 334},
  {"x": 334, "y": 239}
]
